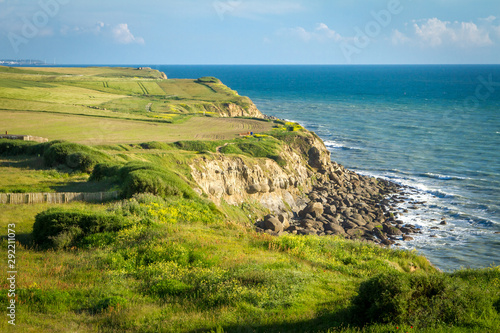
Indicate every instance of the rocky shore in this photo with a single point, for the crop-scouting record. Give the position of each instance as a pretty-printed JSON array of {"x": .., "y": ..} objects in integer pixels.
[{"x": 362, "y": 208}]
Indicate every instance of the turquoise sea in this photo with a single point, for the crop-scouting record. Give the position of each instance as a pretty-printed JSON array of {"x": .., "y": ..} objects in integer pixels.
[{"x": 433, "y": 128}]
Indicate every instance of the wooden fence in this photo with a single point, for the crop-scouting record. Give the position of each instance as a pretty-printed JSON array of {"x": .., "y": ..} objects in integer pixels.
[{"x": 34, "y": 198}]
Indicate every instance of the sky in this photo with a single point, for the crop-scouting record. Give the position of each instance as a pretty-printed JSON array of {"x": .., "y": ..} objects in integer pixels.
[{"x": 251, "y": 31}]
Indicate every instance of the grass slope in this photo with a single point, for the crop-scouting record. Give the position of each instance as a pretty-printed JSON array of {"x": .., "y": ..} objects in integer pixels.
[{"x": 189, "y": 269}]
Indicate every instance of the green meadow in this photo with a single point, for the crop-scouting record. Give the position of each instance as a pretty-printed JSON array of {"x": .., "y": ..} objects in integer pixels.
[{"x": 163, "y": 258}]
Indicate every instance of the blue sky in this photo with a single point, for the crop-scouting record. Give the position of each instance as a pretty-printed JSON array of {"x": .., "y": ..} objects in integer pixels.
[{"x": 251, "y": 31}]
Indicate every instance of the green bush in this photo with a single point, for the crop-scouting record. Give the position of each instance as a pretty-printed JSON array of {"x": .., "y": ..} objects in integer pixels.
[
  {"x": 105, "y": 170},
  {"x": 19, "y": 147},
  {"x": 139, "y": 177},
  {"x": 208, "y": 79},
  {"x": 200, "y": 146},
  {"x": 421, "y": 300},
  {"x": 82, "y": 161},
  {"x": 74, "y": 156},
  {"x": 155, "y": 145},
  {"x": 60, "y": 228},
  {"x": 15, "y": 147}
]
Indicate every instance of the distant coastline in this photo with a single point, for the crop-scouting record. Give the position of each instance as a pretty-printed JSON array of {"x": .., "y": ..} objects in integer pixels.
[{"x": 22, "y": 62}]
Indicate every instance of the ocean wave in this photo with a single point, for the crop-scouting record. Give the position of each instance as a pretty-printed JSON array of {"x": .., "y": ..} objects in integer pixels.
[
  {"x": 337, "y": 145},
  {"x": 442, "y": 177}
]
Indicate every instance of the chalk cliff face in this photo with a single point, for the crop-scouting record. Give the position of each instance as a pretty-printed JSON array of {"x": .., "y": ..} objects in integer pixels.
[
  {"x": 237, "y": 179},
  {"x": 234, "y": 110}
]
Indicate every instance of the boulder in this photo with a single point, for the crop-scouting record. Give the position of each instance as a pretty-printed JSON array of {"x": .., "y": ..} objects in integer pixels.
[
  {"x": 349, "y": 225},
  {"x": 334, "y": 228},
  {"x": 330, "y": 209},
  {"x": 315, "y": 209},
  {"x": 272, "y": 223},
  {"x": 358, "y": 219},
  {"x": 283, "y": 218},
  {"x": 392, "y": 231}
]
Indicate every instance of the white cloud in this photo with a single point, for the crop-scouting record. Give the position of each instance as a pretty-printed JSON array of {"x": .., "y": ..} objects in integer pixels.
[
  {"x": 488, "y": 19},
  {"x": 121, "y": 34},
  {"x": 322, "y": 30},
  {"x": 468, "y": 34},
  {"x": 399, "y": 38},
  {"x": 434, "y": 32},
  {"x": 321, "y": 33}
]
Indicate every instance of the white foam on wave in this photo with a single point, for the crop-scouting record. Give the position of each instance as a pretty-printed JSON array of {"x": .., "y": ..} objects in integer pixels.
[
  {"x": 442, "y": 177},
  {"x": 339, "y": 145}
]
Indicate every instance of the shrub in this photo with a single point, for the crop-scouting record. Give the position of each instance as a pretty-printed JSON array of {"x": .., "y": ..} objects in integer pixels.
[
  {"x": 74, "y": 156},
  {"x": 208, "y": 79},
  {"x": 199, "y": 146},
  {"x": 421, "y": 300},
  {"x": 105, "y": 170},
  {"x": 15, "y": 147},
  {"x": 139, "y": 177},
  {"x": 82, "y": 161},
  {"x": 60, "y": 228},
  {"x": 155, "y": 145}
]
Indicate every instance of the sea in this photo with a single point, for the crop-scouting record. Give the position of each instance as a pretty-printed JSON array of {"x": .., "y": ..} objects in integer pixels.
[{"x": 432, "y": 128}]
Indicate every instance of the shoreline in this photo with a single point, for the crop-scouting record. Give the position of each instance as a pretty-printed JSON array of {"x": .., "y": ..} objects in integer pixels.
[{"x": 349, "y": 204}]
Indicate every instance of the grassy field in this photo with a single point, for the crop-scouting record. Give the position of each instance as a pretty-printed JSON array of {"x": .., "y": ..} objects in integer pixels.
[
  {"x": 201, "y": 272},
  {"x": 172, "y": 261},
  {"x": 115, "y": 89},
  {"x": 96, "y": 130}
]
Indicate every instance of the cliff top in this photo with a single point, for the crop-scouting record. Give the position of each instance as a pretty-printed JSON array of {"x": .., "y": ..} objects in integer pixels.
[{"x": 140, "y": 102}]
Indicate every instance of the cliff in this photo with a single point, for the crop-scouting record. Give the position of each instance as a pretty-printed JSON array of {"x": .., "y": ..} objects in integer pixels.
[
  {"x": 224, "y": 109},
  {"x": 237, "y": 179},
  {"x": 305, "y": 191}
]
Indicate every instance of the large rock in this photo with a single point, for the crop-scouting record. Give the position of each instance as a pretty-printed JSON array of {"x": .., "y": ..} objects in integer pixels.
[
  {"x": 315, "y": 209},
  {"x": 272, "y": 223},
  {"x": 331, "y": 209},
  {"x": 283, "y": 218},
  {"x": 392, "y": 231},
  {"x": 335, "y": 228},
  {"x": 358, "y": 219}
]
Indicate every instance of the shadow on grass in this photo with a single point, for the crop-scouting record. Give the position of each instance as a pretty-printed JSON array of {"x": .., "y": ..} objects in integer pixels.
[
  {"x": 338, "y": 320},
  {"x": 24, "y": 161},
  {"x": 25, "y": 239},
  {"x": 85, "y": 186}
]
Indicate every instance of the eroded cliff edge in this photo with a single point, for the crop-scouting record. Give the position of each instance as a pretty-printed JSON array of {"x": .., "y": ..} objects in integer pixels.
[{"x": 304, "y": 190}]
